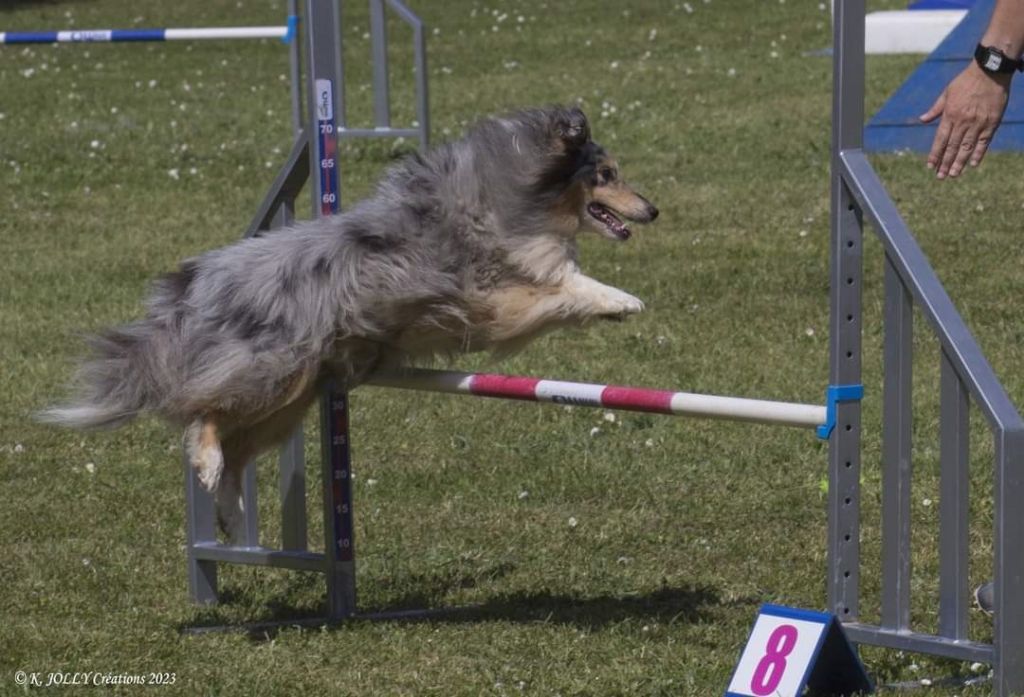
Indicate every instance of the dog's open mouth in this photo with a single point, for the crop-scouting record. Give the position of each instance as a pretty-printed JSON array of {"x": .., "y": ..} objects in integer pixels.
[{"x": 615, "y": 227}]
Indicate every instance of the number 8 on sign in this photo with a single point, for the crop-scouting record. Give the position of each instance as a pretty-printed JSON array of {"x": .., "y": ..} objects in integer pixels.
[
  {"x": 769, "y": 671},
  {"x": 779, "y": 654}
]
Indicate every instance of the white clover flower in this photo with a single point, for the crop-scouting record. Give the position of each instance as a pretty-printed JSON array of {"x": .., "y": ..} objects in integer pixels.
[
  {"x": 573, "y": 522},
  {"x": 90, "y": 468},
  {"x": 173, "y": 174}
]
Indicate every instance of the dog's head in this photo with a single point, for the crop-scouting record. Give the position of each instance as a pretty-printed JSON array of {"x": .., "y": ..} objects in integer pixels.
[{"x": 596, "y": 189}]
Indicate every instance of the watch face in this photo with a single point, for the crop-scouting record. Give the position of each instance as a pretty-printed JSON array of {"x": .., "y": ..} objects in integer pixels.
[{"x": 993, "y": 61}]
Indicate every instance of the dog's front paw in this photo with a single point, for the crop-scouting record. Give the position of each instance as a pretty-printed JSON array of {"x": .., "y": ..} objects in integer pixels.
[{"x": 618, "y": 304}]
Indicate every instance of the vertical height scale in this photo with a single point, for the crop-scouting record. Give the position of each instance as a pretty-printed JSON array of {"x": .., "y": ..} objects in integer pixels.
[{"x": 323, "y": 24}]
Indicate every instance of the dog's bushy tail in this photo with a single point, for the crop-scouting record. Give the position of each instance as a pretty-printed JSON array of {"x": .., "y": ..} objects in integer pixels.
[{"x": 113, "y": 384}]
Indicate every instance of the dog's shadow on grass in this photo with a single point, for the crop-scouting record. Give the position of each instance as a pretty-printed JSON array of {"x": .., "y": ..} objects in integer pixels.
[{"x": 666, "y": 605}]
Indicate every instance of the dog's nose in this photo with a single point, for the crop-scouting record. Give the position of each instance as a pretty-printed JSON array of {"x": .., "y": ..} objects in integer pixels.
[{"x": 652, "y": 212}]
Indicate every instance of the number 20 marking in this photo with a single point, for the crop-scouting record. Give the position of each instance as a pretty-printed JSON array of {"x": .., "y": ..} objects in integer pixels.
[{"x": 770, "y": 669}]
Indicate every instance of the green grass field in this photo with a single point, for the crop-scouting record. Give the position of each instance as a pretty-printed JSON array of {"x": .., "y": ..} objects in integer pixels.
[{"x": 627, "y": 561}]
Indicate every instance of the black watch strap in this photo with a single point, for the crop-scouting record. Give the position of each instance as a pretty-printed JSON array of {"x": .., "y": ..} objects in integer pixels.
[{"x": 992, "y": 60}]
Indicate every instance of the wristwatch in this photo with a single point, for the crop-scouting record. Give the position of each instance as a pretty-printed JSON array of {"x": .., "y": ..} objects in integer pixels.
[{"x": 993, "y": 61}]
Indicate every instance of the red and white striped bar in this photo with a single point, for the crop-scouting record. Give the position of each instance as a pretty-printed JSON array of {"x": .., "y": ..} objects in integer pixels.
[{"x": 604, "y": 396}]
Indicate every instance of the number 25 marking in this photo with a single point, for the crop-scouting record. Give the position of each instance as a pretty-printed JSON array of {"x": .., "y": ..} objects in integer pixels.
[{"x": 769, "y": 671}]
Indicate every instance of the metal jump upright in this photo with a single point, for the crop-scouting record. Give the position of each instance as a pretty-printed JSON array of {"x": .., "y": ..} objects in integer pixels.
[
  {"x": 858, "y": 193},
  {"x": 313, "y": 157}
]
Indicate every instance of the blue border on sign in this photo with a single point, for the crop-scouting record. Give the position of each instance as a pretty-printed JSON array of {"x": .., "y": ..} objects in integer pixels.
[{"x": 795, "y": 613}]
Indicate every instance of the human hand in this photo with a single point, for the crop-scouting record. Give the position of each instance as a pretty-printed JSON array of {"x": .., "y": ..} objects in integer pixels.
[{"x": 971, "y": 107}]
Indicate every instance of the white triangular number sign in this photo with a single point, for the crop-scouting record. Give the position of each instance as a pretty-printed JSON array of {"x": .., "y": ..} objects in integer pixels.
[{"x": 790, "y": 649}]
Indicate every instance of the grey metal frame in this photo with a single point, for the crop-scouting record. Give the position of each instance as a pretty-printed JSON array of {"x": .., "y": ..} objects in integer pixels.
[
  {"x": 381, "y": 85},
  {"x": 857, "y": 193},
  {"x": 310, "y": 149}
]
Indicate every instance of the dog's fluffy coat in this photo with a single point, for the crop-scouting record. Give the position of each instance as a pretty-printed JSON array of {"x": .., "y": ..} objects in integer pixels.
[{"x": 468, "y": 247}]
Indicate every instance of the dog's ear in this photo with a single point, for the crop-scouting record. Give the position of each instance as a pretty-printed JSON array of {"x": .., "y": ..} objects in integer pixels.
[{"x": 572, "y": 129}]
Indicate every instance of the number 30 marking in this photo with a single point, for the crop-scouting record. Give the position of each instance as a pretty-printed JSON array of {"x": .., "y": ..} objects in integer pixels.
[{"x": 772, "y": 667}]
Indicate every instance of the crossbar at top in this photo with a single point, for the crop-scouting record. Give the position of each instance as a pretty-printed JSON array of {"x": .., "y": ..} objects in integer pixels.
[{"x": 640, "y": 399}]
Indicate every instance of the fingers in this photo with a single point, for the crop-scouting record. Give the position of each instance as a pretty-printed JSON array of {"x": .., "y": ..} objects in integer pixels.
[
  {"x": 966, "y": 150},
  {"x": 939, "y": 144},
  {"x": 956, "y": 140},
  {"x": 956, "y": 147},
  {"x": 982, "y": 147},
  {"x": 972, "y": 149}
]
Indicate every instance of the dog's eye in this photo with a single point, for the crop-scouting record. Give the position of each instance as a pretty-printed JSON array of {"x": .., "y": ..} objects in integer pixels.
[{"x": 607, "y": 174}]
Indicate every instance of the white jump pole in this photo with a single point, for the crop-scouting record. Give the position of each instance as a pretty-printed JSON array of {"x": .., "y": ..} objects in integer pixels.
[
  {"x": 284, "y": 33},
  {"x": 604, "y": 396}
]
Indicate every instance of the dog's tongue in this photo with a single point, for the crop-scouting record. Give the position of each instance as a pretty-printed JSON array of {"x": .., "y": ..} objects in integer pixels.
[{"x": 610, "y": 220}]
